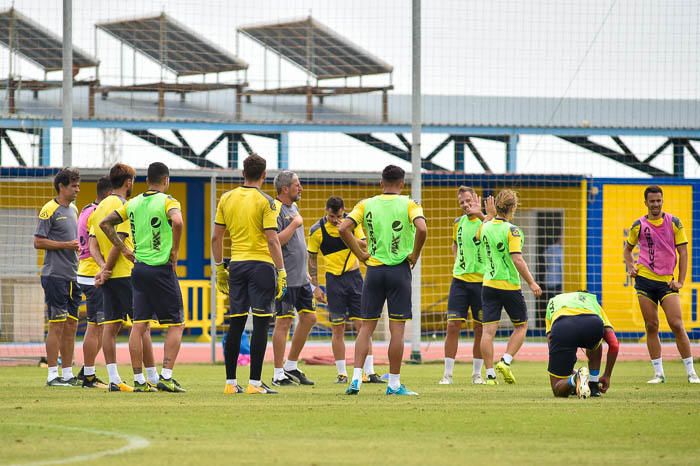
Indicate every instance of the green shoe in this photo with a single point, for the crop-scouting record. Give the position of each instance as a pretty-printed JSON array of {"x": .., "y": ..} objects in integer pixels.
[
  {"x": 505, "y": 371},
  {"x": 170, "y": 385},
  {"x": 144, "y": 387},
  {"x": 491, "y": 381}
]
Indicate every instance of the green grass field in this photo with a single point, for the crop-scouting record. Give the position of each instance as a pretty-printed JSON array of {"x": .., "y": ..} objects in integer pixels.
[{"x": 509, "y": 424}]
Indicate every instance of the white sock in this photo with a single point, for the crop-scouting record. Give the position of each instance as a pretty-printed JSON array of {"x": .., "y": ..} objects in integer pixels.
[
  {"x": 449, "y": 367},
  {"x": 290, "y": 365},
  {"x": 507, "y": 358},
  {"x": 594, "y": 378},
  {"x": 89, "y": 370},
  {"x": 369, "y": 364},
  {"x": 53, "y": 373},
  {"x": 113, "y": 374},
  {"x": 233, "y": 382},
  {"x": 140, "y": 378},
  {"x": 152, "y": 375},
  {"x": 491, "y": 372},
  {"x": 67, "y": 373},
  {"x": 255, "y": 383},
  {"x": 357, "y": 375},
  {"x": 658, "y": 366},
  {"x": 279, "y": 374},
  {"x": 394, "y": 381},
  {"x": 340, "y": 366},
  {"x": 688, "y": 363},
  {"x": 166, "y": 373},
  {"x": 477, "y": 364}
]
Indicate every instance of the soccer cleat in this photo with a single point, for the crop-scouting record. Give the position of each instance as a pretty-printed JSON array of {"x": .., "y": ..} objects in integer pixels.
[
  {"x": 657, "y": 379},
  {"x": 169, "y": 385},
  {"x": 57, "y": 382},
  {"x": 230, "y": 389},
  {"x": 445, "y": 380},
  {"x": 353, "y": 388},
  {"x": 342, "y": 378},
  {"x": 298, "y": 376},
  {"x": 145, "y": 387},
  {"x": 373, "y": 378},
  {"x": 261, "y": 390},
  {"x": 505, "y": 371},
  {"x": 693, "y": 378},
  {"x": 285, "y": 382},
  {"x": 91, "y": 381},
  {"x": 595, "y": 389},
  {"x": 477, "y": 379},
  {"x": 402, "y": 390},
  {"x": 490, "y": 380},
  {"x": 73, "y": 382},
  {"x": 81, "y": 374},
  {"x": 583, "y": 391},
  {"x": 120, "y": 387}
]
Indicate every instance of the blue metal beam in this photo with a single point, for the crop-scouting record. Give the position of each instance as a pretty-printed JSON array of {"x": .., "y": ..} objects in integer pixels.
[
  {"x": 678, "y": 162},
  {"x": 512, "y": 153},
  {"x": 283, "y": 151},
  {"x": 45, "y": 147},
  {"x": 459, "y": 154}
]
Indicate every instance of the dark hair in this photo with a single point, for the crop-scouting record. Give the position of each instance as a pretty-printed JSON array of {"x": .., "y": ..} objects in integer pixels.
[
  {"x": 157, "y": 171},
  {"x": 254, "y": 167},
  {"x": 65, "y": 177},
  {"x": 119, "y": 173},
  {"x": 393, "y": 174},
  {"x": 653, "y": 189},
  {"x": 104, "y": 186},
  {"x": 335, "y": 203}
]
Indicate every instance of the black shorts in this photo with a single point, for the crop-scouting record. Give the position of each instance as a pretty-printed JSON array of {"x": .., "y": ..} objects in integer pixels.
[
  {"x": 464, "y": 296},
  {"x": 495, "y": 299},
  {"x": 300, "y": 298},
  {"x": 117, "y": 300},
  {"x": 390, "y": 283},
  {"x": 157, "y": 293},
  {"x": 62, "y": 297},
  {"x": 568, "y": 334},
  {"x": 252, "y": 285},
  {"x": 652, "y": 289},
  {"x": 344, "y": 294},
  {"x": 94, "y": 304}
]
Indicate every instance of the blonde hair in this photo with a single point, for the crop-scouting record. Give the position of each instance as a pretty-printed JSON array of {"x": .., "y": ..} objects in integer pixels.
[
  {"x": 506, "y": 202},
  {"x": 465, "y": 189}
]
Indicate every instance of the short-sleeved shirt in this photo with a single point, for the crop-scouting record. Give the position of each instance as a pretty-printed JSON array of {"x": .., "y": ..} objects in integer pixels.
[
  {"x": 122, "y": 268},
  {"x": 337, "y": 262},
  {"x": 358, "y": 216},
  {"x": 515, "y": 245},
  {"x": 247, "y": 212},
  {"x": 87, "y": 267},
  {"x": 633, "y": 240},
  {"x": 574, "y": 304},
  {"x": 295, "y": 256},
  {"x": 59, "y": 223}
]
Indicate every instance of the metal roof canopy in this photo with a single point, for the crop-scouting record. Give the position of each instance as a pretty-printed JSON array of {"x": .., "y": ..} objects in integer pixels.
[
  {"x": 316, "y": 49},
  {"x": 173, "y": 45},
  {"x": 36, "y": 43}
]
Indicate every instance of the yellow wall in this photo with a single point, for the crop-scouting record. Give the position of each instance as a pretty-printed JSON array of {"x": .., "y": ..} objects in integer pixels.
[{"x": 622, "y": 205}]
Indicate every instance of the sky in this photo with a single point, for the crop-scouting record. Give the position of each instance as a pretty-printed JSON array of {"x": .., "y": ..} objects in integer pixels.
[{"x": 633, "y": 49}]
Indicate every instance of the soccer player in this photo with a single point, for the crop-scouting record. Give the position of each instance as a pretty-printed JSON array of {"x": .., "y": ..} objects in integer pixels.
[
  {"x": 343, "y": 283},
  {"x": 659, "y": 235},
  {"x": 250, "y": 216},
  {"x": 467, "y": 277},
  {"x": 396, "y": 232},
  {"x": 502, "y": 244},
  {"x": 87, "y": 269},
  {"x": 57, "y": 234},
  {"x": 156, "y": 226},
  {"x": 576, "y": 320},
  {"x": 299, "y": 296}
]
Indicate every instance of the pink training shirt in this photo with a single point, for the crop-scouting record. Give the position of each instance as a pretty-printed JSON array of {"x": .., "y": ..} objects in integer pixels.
[
  {"x": 657, "y": 246},
  {"x": 83, "y": 231}
]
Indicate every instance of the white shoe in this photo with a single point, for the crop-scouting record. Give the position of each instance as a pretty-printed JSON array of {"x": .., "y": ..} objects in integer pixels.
[
  {"x": 693, "y": 378},
  {"x": 445, "y": 380},
  {"x": 582, "y": 389},
  {"x": 477, "y": 379},
  {"x": 657, "y": 379}
]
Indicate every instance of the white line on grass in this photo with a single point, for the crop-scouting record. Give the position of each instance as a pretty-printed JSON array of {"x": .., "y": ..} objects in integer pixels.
[{"x": 134, "y": 442}]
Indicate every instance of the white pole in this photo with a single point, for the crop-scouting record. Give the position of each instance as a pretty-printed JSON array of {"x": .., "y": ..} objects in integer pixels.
[
  {"x": 213, "y": 304},
  {"x": 416, "y": 179},
  {"x": 67, "y": 83}
]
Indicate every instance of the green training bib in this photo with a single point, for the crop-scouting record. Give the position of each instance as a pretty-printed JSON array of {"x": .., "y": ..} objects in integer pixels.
[
  {"x": 469, "y": 255},
  {"x": 390, "y": 233},
  {"x": 153, "y": 235},
  {"x": 498, "y": 265}
]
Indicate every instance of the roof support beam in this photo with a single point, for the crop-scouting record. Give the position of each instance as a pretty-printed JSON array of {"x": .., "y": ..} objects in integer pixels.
[
  {"x": 181, "y": 151},
  {"x": 393, "y": 150},
  {"x": 6, "y": 137},
  {"x": 658, "y": 151}
]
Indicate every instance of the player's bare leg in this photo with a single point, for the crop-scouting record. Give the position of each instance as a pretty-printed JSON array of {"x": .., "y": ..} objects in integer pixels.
[
  {"x": 92, "y": 344},
  {"x": 338, "y": 347},
  {"x": 454, "y": 327},
  {"x": 136, "y": 348},
  {"x": 306, "y": 322},
  {"x": 478, "y": 359},
  {"x": 650, "y": 313},
  {"x": 517, "y": 338},
  {"x": 279, "y": 348},
  {"x": 67, "y": 345},
  {"x": 671, "y": 305},
  {"x": 487, "y": 336}
]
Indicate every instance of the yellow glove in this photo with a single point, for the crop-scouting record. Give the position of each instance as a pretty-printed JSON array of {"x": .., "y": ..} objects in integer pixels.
[
  {"x": 222, "y": 279},
  {"x": 281, "y": 283}
]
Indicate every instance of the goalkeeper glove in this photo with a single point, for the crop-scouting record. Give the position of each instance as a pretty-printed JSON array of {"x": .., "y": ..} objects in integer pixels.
[
  {"x": 281, "y": 283},
  {"x": 222, "y": 278}
]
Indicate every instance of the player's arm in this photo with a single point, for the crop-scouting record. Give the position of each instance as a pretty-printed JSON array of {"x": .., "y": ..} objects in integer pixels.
[
  {"x": 474, "y": 209},
  {"x": 313, "y": 274},
  {"x": 613, "y": 348},
  {"x": 273, "y": 244},
  {"x": 631, "y": 242},
  {"x": 95, "y": 252},
  {"x": 524, "y": 272},
  {"x": 420, "y": 237},
  {"x": 176, "y": 222},
  {"x": 41, "y": 242},
  {"x": 346, "y": 230},
  {"x": 108, "y": 227},
  {"x": 217, "y": 243},
  {"x": 454, "y": 248}
]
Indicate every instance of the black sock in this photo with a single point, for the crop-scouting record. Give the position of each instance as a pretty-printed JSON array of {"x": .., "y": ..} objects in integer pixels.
[
  {"x": 258, "y": 344},
  {"x": 233, "y": 344}
]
